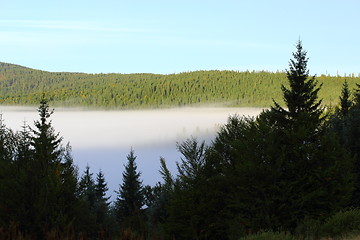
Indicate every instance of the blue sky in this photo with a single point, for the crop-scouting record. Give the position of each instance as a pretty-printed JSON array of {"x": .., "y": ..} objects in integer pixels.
[{"x": 166, "y": 37}]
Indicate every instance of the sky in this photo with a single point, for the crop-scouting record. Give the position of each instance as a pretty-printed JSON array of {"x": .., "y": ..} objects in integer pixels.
[{"x": 165, "y": 37}]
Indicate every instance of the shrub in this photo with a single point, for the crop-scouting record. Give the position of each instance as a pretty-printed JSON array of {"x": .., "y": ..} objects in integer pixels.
[
  {"x": 343, "y": 223},
  {"x": 268, "y": 235}
]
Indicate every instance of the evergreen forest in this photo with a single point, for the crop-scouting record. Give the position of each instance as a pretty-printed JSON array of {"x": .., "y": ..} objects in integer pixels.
[
  {"x": 292, "y": 172},
  {"x": 25, "y": 86}
]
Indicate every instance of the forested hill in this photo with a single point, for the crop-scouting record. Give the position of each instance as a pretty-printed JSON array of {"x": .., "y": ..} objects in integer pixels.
[{"x": 21, "y": 85}]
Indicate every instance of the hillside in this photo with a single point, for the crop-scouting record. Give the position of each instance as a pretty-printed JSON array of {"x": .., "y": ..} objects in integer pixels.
[{"x": 21, "y": 85}]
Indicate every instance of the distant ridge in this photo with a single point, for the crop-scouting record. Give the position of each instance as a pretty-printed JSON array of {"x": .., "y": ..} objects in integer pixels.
[{"x": 21, "y": 85}]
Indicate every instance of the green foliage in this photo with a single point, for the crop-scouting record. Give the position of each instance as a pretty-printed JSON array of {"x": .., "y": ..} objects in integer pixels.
[
  {"x": 130, "y": 199},
  {"x": 39, "y": 188},
  {"x": 346, "y": 126},
  {"x": 268, "y": 235},
  {"x": 196, "y": 203},
  {"x": 20, "y": 85},
  {"x": 292, "y": 168},
  {"x": 302, "y": 106},
  {"x": 341, "y": 224},
  {"x": 265, "y": 173},
  {"x": 345, "y": 102}
]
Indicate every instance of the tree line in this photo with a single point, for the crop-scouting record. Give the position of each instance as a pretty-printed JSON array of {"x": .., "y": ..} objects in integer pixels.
[
  {"x": 20, "y": 85},
  {"x": 295, "y": 163}
]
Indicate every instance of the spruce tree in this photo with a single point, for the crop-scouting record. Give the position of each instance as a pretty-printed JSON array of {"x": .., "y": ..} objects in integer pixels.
[
  {"x": 53, "y": 177},
  {"x": 46, "y": 142},
  {"x": 87, "y": 188},
  {"x": 46, "y": 170},
  {"x": 69, "y": 174},
  {"x": 284, "y": 166},
  {"x": 101, "y": 203},
  {"x": 309, "y": 156},
  {"x": 345, "y": 102},
  {"x": 6, "y": 174},
  {"x": 302, "y": 106},
  {"x": 101, "y": 188},
  {"x": 357, "y": 96},
  {"x": 347, "y": 128},
  {"x": 130, "y": 196}
]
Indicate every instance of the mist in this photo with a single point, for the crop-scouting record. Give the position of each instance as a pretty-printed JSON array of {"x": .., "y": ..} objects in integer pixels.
[{"x": 102, "y": 139}]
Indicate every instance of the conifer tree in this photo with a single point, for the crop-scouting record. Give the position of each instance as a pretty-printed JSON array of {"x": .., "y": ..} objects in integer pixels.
[
  {"x": 347, "y": 128},
  {"x": 22, "y": 188},
  {"x": 345, "y": 102},
  {"x": 45, "y": 142},
  {"x": 130, "y": 196},
  {"x": 308, "y": 154},
  {"x": 87, "y": 188},
  {"x": 284, "y": 165},
  {"x": 69, "y": 174},
  {"x": 101, "y": 204},
  {"x": 193, "y": 162},
  {"x": 357, "y": 96},
  {"x": 101, "y": 188},
  {"x": 6, "y": 173},
  {"x": 302, "y": 106},
  {"x": 166, "y": 175},
  {"x": 46, "y": 169},
  {"x": 23, "y": 148}
]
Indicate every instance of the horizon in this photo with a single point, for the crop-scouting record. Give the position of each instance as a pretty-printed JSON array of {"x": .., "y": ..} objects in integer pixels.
[
  {"x": 247, "y": 70},
  {"x": 166, "y": 38}
]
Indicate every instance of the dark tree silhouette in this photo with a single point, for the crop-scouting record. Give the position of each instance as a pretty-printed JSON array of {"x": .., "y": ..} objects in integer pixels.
[
  {"x": 302, "y": 106},
  {"x": 130, "y": 196},
  {"x": 345, "y": 102}
]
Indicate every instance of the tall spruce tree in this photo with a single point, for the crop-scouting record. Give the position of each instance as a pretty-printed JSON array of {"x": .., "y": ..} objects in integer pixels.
[
  {"x": 345, "y": 102},
  {"x": 87, "y": 188},
  {"x": 284, "y": 165},
  {"x": 47, "y": 182},
  {"x": 346, "y": 125},
  {"x": 53, "y": 177},
  {"x": 357, "y": 95},
  {"x": 101, "y": 203},
  {"x": 301, "y": 98},
  {"x": 6, "y": 174},
  {"x": 130, "y": 196},
  {"x": 313, "y": 165}
]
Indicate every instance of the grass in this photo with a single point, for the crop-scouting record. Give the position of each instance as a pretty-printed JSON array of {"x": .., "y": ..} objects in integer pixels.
[{"x": 344, "y": 225}]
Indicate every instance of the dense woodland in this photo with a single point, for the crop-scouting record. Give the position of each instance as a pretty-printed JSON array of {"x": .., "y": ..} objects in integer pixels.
[
  {"x": 20, "y": 85},
  {"x": 293, "y": 171}
]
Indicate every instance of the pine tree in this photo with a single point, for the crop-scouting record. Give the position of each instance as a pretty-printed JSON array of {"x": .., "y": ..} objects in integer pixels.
[
  {"x": 101, "y": 188},
  {"x": 307, "y": 153},
  {"x": 46, "y": 170},
  {"x": 87, "y": 188},
  {"x": 302, "y": 106},
  {"x": 22, "y": 188},
  {"x": 23, "y": 148},
  {"x": 101, "y": 203},
  {"x": 68, "y": 196},
  {"x": 346, "y": 125},
  {"x": 283, "y": 166},
  {"x": 166, "y": 175},
  {"x": 345, "y": 102},
  {"x": 6, "y": 174},
  {"x": 193, "y": 162},
  {"x": 45, "y": 142},
  {"x": 194, "y": 205},
  {"x": 357, "y": 96},
  {"x": 130, "y": 196}
]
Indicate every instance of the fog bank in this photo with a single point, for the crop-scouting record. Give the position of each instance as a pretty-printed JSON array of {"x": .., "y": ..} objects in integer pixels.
[{"x": 103, "y": 139}]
